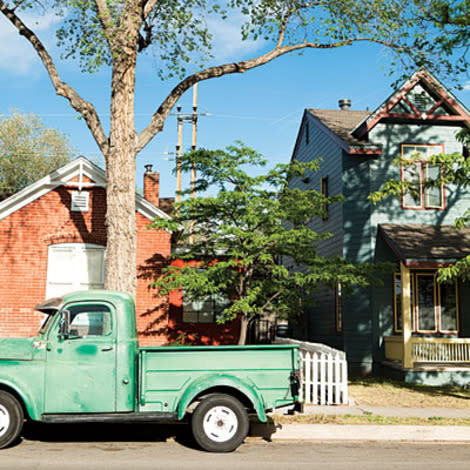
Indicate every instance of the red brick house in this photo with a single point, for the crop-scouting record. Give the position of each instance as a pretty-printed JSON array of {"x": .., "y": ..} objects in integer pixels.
[{"x": 53, "y": 240}]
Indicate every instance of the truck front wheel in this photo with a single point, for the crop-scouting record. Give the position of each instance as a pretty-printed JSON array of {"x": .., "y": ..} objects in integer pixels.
[
  {"x": 11, "y": 419},
  {"x": 219, "y": 423}
]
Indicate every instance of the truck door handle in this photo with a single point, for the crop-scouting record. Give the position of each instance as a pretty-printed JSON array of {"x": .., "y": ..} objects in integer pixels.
[{"x": 109, "y": 348}]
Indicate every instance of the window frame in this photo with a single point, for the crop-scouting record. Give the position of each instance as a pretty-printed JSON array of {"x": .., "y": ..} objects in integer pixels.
[
  {"x": 52, "y": 331},
  {"x": 88, "y": 306},
  {"x": 214, "y": 313},
  {"x": 414, "y": 305},
  {"x": 423, "y": 171},
  {"x": 324, "y": 191}
]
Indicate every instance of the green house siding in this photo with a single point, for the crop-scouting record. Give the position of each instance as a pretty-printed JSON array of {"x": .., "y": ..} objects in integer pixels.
[
  {"x": 357, "y": 248},
  {"x": 384, "y": 168},
  {"x": 319, "y": 322}
]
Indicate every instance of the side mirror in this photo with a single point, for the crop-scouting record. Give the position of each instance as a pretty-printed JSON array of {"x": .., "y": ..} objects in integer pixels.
[{"x": 64, "y": 325}]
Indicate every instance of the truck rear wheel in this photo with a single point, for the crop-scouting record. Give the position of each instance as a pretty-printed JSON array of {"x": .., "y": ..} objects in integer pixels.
[
  {"x": 11, "y": 419},
  {"x": 219, "y": 423}
]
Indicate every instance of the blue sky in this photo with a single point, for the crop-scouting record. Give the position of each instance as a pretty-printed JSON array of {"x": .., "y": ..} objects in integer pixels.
[{"x": 262, "y": 107}]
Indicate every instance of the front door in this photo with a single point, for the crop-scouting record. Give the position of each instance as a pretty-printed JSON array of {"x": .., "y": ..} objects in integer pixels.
[{"x": 81, "y": 367}]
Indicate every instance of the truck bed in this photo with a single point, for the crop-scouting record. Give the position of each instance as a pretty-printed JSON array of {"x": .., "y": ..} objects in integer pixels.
[{"x": 169, "y": 373}]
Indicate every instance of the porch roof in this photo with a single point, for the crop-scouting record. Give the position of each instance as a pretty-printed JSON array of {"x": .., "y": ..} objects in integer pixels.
[{"x": 416, "y": 244}]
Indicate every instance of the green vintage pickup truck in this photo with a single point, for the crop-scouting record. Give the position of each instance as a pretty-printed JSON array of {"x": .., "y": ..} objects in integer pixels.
[{"x": 85, "y": 365}]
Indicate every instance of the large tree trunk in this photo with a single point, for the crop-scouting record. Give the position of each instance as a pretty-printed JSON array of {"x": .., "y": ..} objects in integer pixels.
[{"x": 120, "y": 174}]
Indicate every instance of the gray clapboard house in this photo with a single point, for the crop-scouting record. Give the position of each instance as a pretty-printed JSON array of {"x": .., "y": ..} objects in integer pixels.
[{"x": 412, "y": 327}]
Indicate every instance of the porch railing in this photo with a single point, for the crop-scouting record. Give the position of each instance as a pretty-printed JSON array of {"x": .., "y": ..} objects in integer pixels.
[
  {"x": 324, "y": 373},
  {"x": 441, "y": 349},
  {"x": 437, "y": 350}
]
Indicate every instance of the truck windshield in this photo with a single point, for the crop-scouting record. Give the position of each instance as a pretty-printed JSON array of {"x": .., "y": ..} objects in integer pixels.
[{"x": 45, "y": 324}]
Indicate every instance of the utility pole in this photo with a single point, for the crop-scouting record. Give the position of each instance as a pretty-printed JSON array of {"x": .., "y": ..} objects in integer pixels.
[
  {"x": 193, "y": 147},
  {"x": 180, "y": 119},
  {"x": 179, "y": 153}
]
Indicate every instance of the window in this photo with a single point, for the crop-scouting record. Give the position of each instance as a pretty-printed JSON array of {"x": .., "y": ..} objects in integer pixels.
[
  {"x": 203, "y": 310},
  {"x": 434, "y": 306},
  {"x": 307, "y": 133},
  {"x": 324, "y": 192},
  {"x": 415, "y": 170},
  {"x": 90, "y": 320},
  {"x": 339, "y": 308},
  {"x": 74, "y": 266}
]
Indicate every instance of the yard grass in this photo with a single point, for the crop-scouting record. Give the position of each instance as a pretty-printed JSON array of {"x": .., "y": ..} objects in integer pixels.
[
  {"x": 389, "y": 393},
  {"x": 369, "y": 419},
  {"x": 385, "y": 392}
]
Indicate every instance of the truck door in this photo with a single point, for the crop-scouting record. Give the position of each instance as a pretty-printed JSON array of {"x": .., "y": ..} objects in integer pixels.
[{"x": 81, "y": 365}]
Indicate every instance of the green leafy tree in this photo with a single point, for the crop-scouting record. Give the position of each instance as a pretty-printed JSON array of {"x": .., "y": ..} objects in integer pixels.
[
  {"x": 234, "y": 236},
  {"x": 114, "y": 33},
  {"x": 28, "y": 151},
  {"x": 442, "y": 35}
]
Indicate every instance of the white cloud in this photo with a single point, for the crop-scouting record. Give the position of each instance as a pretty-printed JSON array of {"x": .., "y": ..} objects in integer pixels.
[
  {"x": 227, "y": 39},
  {"x": 466, "y": 85},
  {"x": 17, "y": 56}
]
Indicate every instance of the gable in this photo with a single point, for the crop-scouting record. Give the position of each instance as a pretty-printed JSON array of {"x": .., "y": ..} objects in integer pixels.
[
  {"x": 79, "y": 173},
  {"x": 336, "y": 125},
  {"x": 423, "y": 98}
]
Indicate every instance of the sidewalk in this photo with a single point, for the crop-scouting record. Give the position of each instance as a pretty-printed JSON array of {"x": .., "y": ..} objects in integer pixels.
[
  {"x": 400, "y": 412},
  {"x": 365, "y": 432}
]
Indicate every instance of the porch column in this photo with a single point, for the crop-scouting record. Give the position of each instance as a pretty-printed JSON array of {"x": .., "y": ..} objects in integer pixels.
[{"x": 406, "y": 315}]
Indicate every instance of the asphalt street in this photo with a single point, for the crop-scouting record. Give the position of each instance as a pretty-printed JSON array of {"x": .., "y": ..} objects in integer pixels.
[
  {"x": 252, "y": 455},
  {"x": 51, "y": 447}
]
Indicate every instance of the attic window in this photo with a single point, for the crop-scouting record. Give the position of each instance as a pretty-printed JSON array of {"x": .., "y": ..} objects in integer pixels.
[{"x": 80, "y": 201}]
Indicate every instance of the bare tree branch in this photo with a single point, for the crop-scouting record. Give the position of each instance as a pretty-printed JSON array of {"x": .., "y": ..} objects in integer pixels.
[
  {"x": 158, "y": 119},
  {"x": 85, "y": 108},
  {"x": 149, "y": 5}
]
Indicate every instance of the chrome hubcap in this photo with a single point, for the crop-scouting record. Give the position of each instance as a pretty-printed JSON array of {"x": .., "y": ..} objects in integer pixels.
[
  {"x": 220, "y": 424},
  {"x": 4, "y": 420}
]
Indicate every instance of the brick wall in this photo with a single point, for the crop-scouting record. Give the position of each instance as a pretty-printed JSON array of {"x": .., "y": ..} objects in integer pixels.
[{"x": 25, "y": 236}]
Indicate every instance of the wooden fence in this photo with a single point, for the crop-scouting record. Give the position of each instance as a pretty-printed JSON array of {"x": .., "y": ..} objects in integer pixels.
[{"x": 324, "y": 373}]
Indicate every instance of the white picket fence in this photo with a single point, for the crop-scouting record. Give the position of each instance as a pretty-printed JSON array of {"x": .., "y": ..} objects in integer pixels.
[{"x": 324, "y": 373}]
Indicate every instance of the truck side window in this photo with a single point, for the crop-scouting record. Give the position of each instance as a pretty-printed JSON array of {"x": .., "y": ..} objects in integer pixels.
[{"x": 90, "y": 320}]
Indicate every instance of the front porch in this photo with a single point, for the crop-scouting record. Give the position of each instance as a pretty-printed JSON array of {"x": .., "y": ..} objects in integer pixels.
[{"x": 413, "y": 354}]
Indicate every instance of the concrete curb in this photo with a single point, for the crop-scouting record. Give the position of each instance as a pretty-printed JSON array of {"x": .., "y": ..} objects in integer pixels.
[{"x": 360, "y": 432}]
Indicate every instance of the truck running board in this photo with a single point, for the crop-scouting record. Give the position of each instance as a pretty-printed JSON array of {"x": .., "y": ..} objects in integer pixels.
[{"x": 154, "y": 417}]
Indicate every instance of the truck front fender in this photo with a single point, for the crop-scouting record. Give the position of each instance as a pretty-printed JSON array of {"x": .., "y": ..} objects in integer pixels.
[
  {"x": 210, "y": 381},
  {"x": 30, "y": 404}
]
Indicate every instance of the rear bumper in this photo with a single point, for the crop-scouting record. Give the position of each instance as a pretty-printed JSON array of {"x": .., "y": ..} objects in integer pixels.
[{"x": 299, "y": 407}]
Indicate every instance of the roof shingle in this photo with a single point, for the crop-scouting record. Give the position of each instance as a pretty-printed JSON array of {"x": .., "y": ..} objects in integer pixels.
[{"x": 342, "y": 122}]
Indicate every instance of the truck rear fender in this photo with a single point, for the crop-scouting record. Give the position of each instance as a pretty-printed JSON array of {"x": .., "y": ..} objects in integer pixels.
[
  {"x": 25, "y": 399},
  {"x": 224, "y": 383}
]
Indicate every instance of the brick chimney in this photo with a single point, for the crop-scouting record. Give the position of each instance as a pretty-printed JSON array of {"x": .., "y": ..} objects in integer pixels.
[{"x": 152, "y": 186}]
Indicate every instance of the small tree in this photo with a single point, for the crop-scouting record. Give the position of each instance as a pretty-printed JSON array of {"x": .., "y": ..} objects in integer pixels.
[
  {"x": 28, "y": 151},
  {"x": 236, "y": 236}
]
